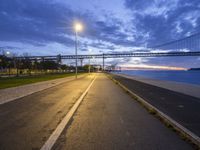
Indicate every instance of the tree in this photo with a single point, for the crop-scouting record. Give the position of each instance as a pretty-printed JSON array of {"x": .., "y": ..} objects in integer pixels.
[
  {"x": 49, "y": 65},
  {"x": 64, "y": 67}
]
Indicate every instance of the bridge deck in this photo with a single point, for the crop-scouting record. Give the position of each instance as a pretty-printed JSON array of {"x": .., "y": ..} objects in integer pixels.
[{"x": 113, "y": 55}]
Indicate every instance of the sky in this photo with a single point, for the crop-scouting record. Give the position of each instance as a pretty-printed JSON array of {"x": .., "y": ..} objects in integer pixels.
[{"x": 45, "y": 27}]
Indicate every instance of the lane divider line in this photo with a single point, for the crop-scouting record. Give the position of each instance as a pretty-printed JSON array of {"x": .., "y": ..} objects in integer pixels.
[
  {"x": 193, "y": 138},
  {"x": 57, "y": 132}
]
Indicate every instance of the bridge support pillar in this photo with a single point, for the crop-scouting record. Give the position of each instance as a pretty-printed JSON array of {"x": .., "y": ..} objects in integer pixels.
[{"x": 81, "y": 60}]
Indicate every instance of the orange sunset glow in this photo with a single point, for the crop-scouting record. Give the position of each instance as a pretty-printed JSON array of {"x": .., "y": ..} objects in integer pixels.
[{"x": 142, "y": 67}]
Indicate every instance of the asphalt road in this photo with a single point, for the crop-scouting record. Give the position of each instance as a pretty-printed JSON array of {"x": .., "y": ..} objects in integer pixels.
[
  {"x": 109, "y": 119},
  {"x": 26, "y": 123},
  {"x": 183, "y": 108}
]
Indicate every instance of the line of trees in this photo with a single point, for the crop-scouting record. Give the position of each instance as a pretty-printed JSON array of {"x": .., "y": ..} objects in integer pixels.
[{"x": 25, "y": 66}]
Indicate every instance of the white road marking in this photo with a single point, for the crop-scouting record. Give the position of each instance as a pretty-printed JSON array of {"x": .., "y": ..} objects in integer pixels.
[{"x": 54, "y": 136}]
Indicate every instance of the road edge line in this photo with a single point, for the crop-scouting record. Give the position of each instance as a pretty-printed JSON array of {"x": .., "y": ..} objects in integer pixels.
[
  {"x": 57, "y": 132},
  {"x": 184, "y": 132}
]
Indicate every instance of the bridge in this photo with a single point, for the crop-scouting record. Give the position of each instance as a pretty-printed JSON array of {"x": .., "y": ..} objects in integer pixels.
[
  {"x": 188, "y": 46},
  {"x": 112, "y": 55},
  {"x": 58, "y": 58}
]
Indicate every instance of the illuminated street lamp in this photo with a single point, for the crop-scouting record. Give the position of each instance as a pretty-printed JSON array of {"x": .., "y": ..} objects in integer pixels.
[
  {"x": 7, "y": 53},
  {"x": 78, "y": 27}
]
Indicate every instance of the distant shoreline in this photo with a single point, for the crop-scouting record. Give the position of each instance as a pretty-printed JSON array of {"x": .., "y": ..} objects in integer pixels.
[{"x": 194, "y": 69}]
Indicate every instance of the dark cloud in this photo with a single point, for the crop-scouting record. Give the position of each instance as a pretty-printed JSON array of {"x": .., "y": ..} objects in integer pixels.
[
  {"x": 35, "y": 22},
  {"x": 160, "y": 19},
  {"x": 8, "y": 47},
  {"x": 108, "y": 31},
  {"x": 39, "y": 22},
  {"x": 138, "y": 4}
]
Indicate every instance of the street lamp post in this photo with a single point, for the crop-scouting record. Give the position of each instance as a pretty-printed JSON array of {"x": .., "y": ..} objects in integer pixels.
[
  {"x": 77, "y": 27},
  {"x": 76, "y": 46}
]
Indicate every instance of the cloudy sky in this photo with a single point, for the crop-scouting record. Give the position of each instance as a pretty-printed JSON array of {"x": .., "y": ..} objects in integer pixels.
[{"x": 45, "y": 27}]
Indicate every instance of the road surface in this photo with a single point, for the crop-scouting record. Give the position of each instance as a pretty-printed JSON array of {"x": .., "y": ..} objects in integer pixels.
[
  {"x": 26, "y": 123},
  {"x": 109, "y": 119}
]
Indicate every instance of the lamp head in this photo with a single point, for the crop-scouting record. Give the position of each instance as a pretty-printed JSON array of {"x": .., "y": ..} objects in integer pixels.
[
  {"x": 7, "y": 53},
  {"x": 78, "y": 27}
]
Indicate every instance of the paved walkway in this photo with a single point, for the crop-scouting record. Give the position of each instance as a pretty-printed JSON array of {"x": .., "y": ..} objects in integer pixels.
[
  {"x": 10, "y": 94},
  {"x": 109, "y": 119},
  {"x": 184, "y": 109},
  {"x": 185, "y": 88}
]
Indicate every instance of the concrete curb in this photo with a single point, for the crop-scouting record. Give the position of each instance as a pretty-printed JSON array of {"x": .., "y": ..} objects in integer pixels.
[{"x": 182, "y": 131}]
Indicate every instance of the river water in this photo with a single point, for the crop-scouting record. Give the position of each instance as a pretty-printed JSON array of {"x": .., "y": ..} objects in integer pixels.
[{"x": 192, "y": 77}]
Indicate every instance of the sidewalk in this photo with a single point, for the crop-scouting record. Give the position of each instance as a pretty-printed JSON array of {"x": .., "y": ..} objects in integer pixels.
[
  {"x": 109, "y": 119},
  {"x": 10, "y": 94},
  {"x": 182, "y": 108},
  {"x": 185, "y": 88}
]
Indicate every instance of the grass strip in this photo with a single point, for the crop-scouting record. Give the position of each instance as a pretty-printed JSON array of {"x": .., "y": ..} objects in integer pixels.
[{"x": 17, "y": 81}]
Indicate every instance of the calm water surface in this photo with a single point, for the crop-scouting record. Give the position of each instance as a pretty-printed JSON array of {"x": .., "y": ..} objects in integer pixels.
[{"x": 192, "y": 77}]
